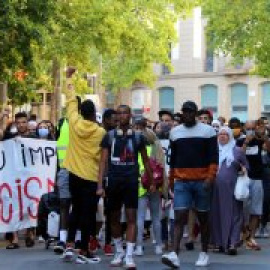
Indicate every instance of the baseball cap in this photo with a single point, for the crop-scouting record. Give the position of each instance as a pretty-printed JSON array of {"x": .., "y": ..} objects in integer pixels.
[{"x": 190, "y": 105}]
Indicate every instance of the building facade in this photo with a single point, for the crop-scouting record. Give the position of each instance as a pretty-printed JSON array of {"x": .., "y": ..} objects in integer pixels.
[{"x": 211, "y": 81}]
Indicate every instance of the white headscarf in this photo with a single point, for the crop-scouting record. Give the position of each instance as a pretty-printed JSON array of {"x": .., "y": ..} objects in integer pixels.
[
  {"x": 226, "y": 150},
  {"x": 216, "y": 123}
]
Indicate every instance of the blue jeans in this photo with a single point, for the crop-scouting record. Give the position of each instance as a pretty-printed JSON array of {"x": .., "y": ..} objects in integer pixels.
[
  {"x": 155, "y": 210},
  {"x": 188, "y": 194}
]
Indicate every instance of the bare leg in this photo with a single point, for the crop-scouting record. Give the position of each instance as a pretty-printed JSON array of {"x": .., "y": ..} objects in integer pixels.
[
  {"x": 205, "y": 233},
  {"x": 179, "y": 223}
]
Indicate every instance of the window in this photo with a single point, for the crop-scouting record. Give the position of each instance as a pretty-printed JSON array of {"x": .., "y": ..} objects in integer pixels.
[
  {"x": 209, "y": 98},
  {"x": 239, "y": 101},
  {"x": 266, "y": 97},
  {"x": 209, "y": 64},
  {"x": 166, "y": 99}
]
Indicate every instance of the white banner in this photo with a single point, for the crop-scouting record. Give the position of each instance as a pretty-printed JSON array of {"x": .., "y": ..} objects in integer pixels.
[{"x": 27, "y": 171}]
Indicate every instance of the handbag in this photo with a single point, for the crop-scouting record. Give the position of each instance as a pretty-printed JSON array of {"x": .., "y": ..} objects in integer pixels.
[
  {"x": 241, "y": 190},
  {"x": 158, "y": 175}
]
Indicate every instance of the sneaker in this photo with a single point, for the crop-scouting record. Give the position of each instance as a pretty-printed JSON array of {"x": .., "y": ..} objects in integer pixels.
[
  {"x": 108, "y": 250},
  {"x": 69, "y": 255},
  {"x": 138, "y": 251},
  {"x": 41, "y": 239},
  {"x": 89, "y": 258},
  {"x": 118, "y": 259},
  {"x": 94, "y": 245},
  {"x": 265, "y": 233},
  {"x": 171, "y": 259},
  {"x": 158, "y": 250},
  {"x": 129, "y": 263},
  {"x": 203, "y": 259},
  {"x": 59, "y": 248}
]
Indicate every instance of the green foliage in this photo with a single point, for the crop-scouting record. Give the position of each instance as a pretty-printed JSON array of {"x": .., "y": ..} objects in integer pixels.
[
  {"x": 129, "y": 36},
  {"x": 240, "y": 28}
]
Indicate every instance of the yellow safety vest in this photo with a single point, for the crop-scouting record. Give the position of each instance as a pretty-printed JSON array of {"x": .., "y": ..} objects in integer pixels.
[
  {"x": 143, "y": 191},
  {"x": 62, "y": 143}
]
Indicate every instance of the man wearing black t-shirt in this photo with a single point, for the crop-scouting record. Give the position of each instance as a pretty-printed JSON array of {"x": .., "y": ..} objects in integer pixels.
[
  {"x": 253, "y": 146},
  {"x": 120, "y": 148}
]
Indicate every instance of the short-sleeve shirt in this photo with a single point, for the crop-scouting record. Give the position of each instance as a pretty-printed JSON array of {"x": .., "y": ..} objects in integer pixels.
[
  {"x": 254, "y": 157},
  {"x": 123, "y": 153}
]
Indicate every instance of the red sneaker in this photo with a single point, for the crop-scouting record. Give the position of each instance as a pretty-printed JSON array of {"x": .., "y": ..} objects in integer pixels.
[
  {"x": 108, "y": 250},
  {"x": 94, "y": 245}
]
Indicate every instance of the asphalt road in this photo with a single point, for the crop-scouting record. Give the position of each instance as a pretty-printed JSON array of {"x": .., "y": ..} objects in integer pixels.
[{"x": 38, "y": 258}]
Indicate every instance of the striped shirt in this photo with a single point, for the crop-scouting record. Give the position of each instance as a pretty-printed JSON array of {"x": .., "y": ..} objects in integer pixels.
[{"x": 194, "y": 153}]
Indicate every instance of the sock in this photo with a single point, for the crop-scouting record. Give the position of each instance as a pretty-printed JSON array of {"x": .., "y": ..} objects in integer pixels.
[
  {"x": 63, "y": 236},
  {"x": 130, "y": 249},
  {"x": 118, "y": 244},
  {"x": 78, "y": 236}
]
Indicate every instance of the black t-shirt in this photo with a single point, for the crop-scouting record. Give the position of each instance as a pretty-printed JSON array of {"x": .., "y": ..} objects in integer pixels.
[
  {"x": 123, "y": 153},
  {"x": 254, "y": 157}
]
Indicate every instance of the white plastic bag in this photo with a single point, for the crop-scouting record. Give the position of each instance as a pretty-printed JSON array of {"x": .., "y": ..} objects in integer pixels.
[
  {"x": 53, "y": 224},
  {"x": 241, "y": 191}
]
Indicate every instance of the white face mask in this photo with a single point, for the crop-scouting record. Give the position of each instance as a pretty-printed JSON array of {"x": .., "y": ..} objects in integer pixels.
[{"x": 13, "y": 130}]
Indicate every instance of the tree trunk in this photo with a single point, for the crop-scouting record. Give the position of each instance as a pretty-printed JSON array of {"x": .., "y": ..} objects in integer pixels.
[
  {"x": 56, "y": 94},
  {"x": 3, "y": 102}
]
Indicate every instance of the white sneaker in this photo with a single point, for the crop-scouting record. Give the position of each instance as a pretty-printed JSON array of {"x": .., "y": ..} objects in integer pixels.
[
  {"x": 203, "y": 259},
  {"x": 138, "y": 251},
  {"x": 171, "y": 259},
  {"x": 68, "y": 255},
  {"x": 88, "y": 259},
  {"x": 129, "y": 263},
  {"x": 118, "y": 259},
  {"x": 158, "y": 250},
  {"x": 265, "y": 233}
]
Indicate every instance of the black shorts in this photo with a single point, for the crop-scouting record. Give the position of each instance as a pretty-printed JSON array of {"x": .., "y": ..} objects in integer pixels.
[{"x": 122, "y": 191}]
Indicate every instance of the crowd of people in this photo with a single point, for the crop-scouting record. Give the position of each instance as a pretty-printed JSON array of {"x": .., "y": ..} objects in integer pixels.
[{"x": 109, "y": 180}]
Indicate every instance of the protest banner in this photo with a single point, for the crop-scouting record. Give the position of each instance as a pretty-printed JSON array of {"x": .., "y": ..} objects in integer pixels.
[{"x": 27, "y": 171}]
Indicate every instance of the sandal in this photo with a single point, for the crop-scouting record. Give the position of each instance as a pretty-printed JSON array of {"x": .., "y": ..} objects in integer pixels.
[
  {"x": 13, "y": 246},
  {"x": 251, "y": 244}
]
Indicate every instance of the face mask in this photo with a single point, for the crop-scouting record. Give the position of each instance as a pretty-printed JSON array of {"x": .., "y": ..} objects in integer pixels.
[
  {"x": 13, "y": 130},
  {"x": 250, "y": 132},
  {"x": 43, "y": 132},
  {"x": 236, "y": 132}
]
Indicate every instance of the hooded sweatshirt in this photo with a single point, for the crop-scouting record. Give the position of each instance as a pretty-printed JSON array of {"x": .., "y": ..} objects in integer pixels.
[{"x": 83, "y": 152}]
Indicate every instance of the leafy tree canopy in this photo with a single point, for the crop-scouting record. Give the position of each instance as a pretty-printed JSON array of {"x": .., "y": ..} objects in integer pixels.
[{"x": 241, "y": 28}]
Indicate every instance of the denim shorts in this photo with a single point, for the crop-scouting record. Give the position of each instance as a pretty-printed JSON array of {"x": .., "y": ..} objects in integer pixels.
[
  {"x": 63, "y": 184},
  {"x": 255, "y": 201},
  {"x": 192, "y": 194}
]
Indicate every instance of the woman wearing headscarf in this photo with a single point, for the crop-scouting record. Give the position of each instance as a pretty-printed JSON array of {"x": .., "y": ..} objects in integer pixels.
[{"x": 227, "y": 212}]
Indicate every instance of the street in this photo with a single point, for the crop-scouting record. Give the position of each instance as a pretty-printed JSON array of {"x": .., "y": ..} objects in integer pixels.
[{"x": 40, "y": 259}]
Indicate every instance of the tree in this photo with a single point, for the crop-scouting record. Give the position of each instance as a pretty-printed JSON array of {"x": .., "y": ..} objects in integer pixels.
[
  {"x": 129, "y": 36},
  {"x": 24, "y": 26},
  {"x": 240, "y": 28}
]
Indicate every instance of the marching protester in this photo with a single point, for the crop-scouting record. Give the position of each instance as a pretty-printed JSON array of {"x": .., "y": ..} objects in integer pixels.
[
  {"x": 43, "y": 131},
  {"x": 252, "y": 144},
  {"x": 120, "y": 149},
  {"x": 62, "y": 137},
  {"x": 153, "y": 199},
  {"x": 193, "y": 167},
  {"x": 109, "y": 121},
  {"x": 227, "y": 218},
  {"x": 82, "y": 159},
  {"x": 20, "y": 129}
]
